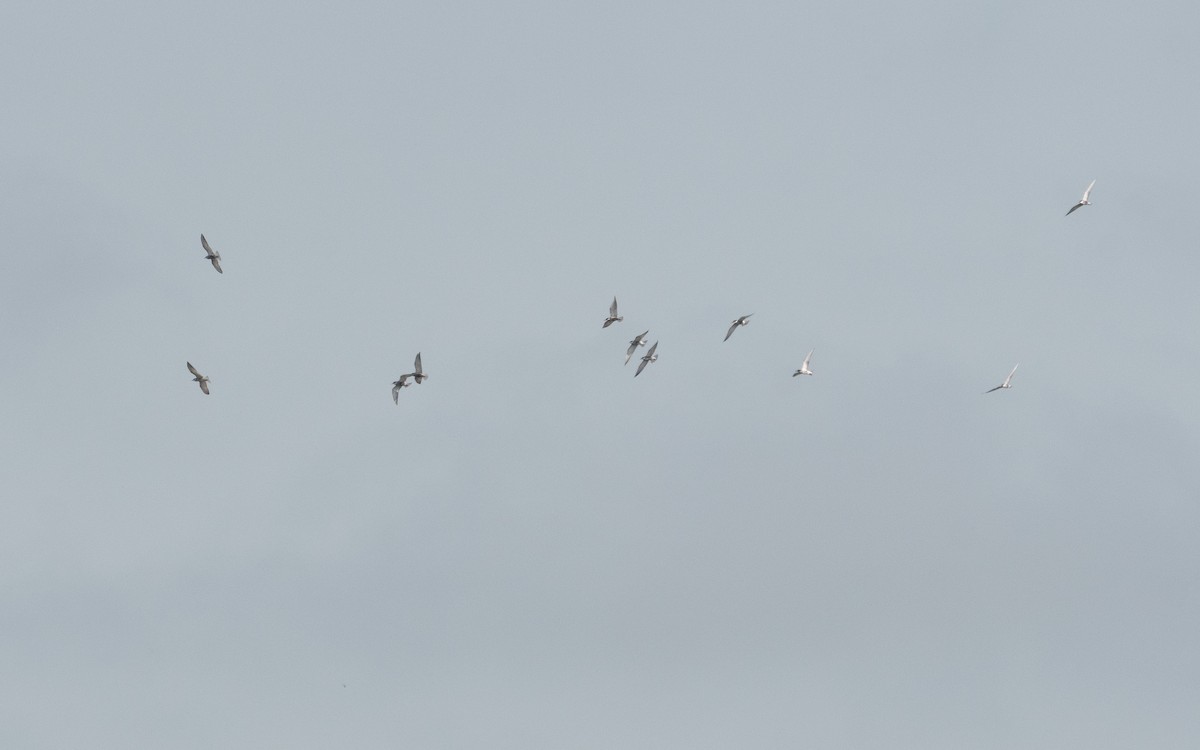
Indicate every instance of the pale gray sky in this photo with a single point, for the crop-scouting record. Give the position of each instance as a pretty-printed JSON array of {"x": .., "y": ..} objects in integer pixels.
[{"x": 535, "y": 550}]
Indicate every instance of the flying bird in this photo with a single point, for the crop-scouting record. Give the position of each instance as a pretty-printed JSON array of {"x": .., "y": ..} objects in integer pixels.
[
  {"x": 639, "y": 340},
  {"x": 804, "y": 367},
  {"x": 418, "y": 374},
  {"x": 401, "y": 383},
  {"x": 649, "y": 357},
  {"x": 1084, "y": 200},
  {"x": 201, "y": 379},
  {"x": 742, "y": 321},
  {"x": 212, "y": 255},
  {"x": 612, "y": 315},
  {"x": 1007, "y": 381}
]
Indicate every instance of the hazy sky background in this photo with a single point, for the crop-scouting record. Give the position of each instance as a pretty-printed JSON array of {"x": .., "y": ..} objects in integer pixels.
[{"x": 535, "y": 550}]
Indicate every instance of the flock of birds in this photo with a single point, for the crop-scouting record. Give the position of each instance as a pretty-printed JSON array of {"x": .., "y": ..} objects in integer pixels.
[
  {"x": 418, "y": 374},
  {"x": 651, "y": 354}
]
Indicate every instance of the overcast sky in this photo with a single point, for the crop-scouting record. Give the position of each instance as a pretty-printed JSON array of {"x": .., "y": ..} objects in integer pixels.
[{"x": 534, "y": 549}]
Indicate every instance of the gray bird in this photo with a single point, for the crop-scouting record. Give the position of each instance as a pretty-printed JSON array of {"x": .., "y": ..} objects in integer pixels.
[
  {"x": 612, "y": 315},
  {"x": 1007, "y": 381},
  {"x": 804, "y": 367},
  {"x": 201, "y": 379},
  {"x": 649, "y": 357},
  {"x": 1084, "y": 200},
  {"x": 212, "y": 255},
  {"x": 639, "y": 340},
  {"x": 742, "y": 321},
  {"x": 418, "y": 374},
  {"x": 401, "y": 383}
]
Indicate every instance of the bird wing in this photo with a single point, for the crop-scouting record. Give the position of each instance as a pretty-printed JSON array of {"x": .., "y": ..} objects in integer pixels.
[
  {"x": 732, "y": 328},
  {"x": 1077, "y": 205},
  {"x": 417, "y": 365},
  {"x": 204, "y": 386},
  {"x": 641, "y": 366},
  {"x": 993, "y": 389},
  {"x": 1009, "y": 378},
  {"x": 216, "y": 261},
  {"x": 807, "y": 358},
  {"x": 612, "y": 310},
  {"x": 396, "y": 393},
  {"x": 652, "y": 350},
  {"x": 204, "y": 244},
  {"x": 193, "y": 370},
  {"x": 1088, "y": 192}
]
